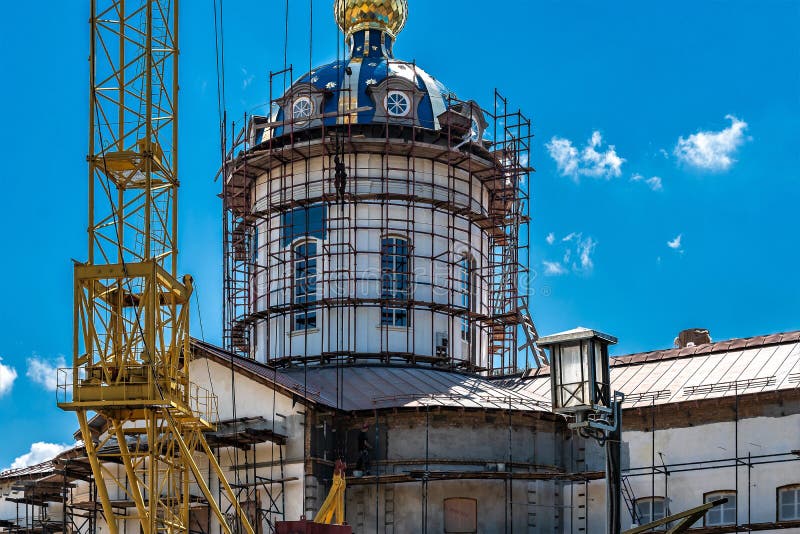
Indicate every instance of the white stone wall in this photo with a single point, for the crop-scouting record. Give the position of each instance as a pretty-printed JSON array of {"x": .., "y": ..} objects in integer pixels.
[
  {"x": 759, "y": 436},
  {"x": 349, "y": 258},
  {"x": 254, "y": 399}
]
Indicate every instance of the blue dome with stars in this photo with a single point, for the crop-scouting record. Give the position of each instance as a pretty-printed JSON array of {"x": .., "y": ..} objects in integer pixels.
[{"x": 370, "y": 86}]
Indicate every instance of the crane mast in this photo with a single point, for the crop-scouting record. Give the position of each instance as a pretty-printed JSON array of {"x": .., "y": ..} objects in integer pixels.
[{"x": 131, "y": 349}]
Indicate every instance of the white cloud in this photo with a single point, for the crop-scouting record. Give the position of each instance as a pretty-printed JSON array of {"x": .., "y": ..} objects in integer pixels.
[
  {"x": 585, "y": 250},
  {"x": 553, "y": 268},
  {"x": 247, "y": 78},
  {"x": 40, "y": 452},
  {"x": 551, "y": 238},
  {"x": 712, "y": 151},
  {"x": 675, "y": 244},
  {"x": 576, "y": 257},
  {"x": 592, "y": 160},
  {"x": 45, "y": 373},
  {"x": 565, "y": 156},
  {"x": 653, "y": 183},
  {"x": 570, "y": 237},
  {"x": 7, "y": 376}
]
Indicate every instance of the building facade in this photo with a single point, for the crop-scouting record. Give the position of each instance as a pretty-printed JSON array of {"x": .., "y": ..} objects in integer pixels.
[
  {"x": 457, "y": 452},
  {"x": 374, "y": 313},
  {"x": 375, "y": 216}
]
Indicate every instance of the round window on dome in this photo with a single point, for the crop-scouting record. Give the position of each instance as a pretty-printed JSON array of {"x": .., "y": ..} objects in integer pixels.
[
  {"x": 397, "y": 104},
  {"x": 302, "y": 109}
]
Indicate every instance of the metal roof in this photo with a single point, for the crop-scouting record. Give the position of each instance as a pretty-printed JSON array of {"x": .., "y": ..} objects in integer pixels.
[
  {"x": 32, "y": 471},
  {"x": 714, "y": 370},
  {"x": 576, "y": 334},
  {"x": 379, "y": 387},
  {"x": 309, "y": 391}
]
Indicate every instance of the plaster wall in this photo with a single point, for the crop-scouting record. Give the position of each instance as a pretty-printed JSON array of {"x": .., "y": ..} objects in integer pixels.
[
  {"x": 349, "y": 258},
  {"x": 254, "y": 399},
  {"x": 530, "y": 510},
  {"x": 714, "y": 447}
]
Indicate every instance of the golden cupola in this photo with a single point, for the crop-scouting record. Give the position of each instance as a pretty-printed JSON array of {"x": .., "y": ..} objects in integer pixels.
[{"x": 388, "y": 16}]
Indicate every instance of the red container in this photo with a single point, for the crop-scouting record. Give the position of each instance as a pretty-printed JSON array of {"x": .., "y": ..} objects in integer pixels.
[{"x": 309, "y": 527}]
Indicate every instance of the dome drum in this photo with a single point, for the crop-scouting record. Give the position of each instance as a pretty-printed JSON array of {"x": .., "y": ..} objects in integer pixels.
[
  {"x": 370, "y": 44},
  {"x": 413, "y": 199}
]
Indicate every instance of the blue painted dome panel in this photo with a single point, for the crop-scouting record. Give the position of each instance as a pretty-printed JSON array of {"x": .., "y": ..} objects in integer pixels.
[{"x": 371, "y": 70}]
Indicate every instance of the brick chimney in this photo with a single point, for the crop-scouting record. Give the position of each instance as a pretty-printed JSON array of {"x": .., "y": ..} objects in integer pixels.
[{"x": 692, "y": 337}]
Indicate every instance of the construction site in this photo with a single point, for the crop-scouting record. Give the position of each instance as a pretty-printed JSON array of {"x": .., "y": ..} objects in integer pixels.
[{"x": 381, "y": 370}]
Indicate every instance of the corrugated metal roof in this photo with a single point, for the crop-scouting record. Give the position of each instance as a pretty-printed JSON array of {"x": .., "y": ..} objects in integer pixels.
[
  {"x": 375, "y": 386},
  {"x": 32, "y": 471},
  {"x": 309, "y": 391},
  {"x": 371, "y": 387},
  {"x": 43, "y": 469},
  {"x": 739, "y": 366},
  {"x": 714, "y": 370}
]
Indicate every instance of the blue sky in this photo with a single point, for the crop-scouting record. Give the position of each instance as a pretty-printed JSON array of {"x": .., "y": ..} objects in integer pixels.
[{"x": 704, "y": 96}]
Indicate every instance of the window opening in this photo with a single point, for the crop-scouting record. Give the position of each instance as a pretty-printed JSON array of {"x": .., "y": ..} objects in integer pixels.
[
  {"x": 305, "y": 285},
  {"x": 397, "y": 104},
  {"x": 395, "y": 280}
]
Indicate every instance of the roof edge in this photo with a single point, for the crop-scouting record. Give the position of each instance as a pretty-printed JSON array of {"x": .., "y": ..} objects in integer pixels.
[
  {"x": 257, "y": 371},
  {"x": 639, "y": 358}
]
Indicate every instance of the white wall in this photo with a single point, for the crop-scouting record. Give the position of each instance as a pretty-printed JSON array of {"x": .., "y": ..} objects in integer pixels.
[
  {"x": 350, "y": 258},
  {"x": 758, "y": 436},
  {"x": 254, "y": 399}
]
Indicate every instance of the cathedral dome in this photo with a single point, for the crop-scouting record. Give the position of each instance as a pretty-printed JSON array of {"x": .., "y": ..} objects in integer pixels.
[{"x": 370, "y": 86}]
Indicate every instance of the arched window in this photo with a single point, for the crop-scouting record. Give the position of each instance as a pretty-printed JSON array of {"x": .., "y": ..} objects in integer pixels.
[
  {"x": 724, "y": 514},
  {"x": 304, "y": 287},
  {"x": 395, "y": 281},
  {"x": 789, "y": 503},
  {"x": 468, "y": 293},
  {"x": 651, "y": 509}
]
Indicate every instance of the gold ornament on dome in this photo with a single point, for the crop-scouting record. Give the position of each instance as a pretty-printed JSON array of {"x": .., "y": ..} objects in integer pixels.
[{"x": 385, "y": 15}]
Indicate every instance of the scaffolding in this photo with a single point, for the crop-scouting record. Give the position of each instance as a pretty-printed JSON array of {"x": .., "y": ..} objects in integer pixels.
[
  {"x": 742, "y": 468},
  {"x": 396, "y": 178},
  {"x": 262, "y": 494},
  {"x": 57, "y": 496}
]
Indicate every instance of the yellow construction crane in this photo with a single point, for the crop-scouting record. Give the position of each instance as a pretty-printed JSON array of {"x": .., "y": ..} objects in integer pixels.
[{"x": 131, "y": 315}]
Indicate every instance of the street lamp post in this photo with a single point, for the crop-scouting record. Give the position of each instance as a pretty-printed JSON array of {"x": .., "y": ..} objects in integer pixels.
[{"x": 581, "y": 391}]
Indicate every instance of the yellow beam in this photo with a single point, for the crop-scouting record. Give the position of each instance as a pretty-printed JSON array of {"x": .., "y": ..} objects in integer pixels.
[
  {"x": 131, "y": 313},
  {"x": 215, "y": 467},
  {"x": 133, "y": 480},
  {"x": 102, "y": 491}
]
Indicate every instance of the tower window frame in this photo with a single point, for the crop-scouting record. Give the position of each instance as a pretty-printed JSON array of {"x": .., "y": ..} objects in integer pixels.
[
  {"x": 724, "y": 514},
  {"x": 468, "y": 285},
  {"x": 305, "y": 277},
  {"x": 788, "y": 502},
  {"x": 397, "y": 104},
  {"x": 649, "y": 509},
  {"x": 395, "y": 280}
]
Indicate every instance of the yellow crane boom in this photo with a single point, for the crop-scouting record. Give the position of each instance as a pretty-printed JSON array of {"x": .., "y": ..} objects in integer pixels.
[{"x": 131, "y": 348}]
